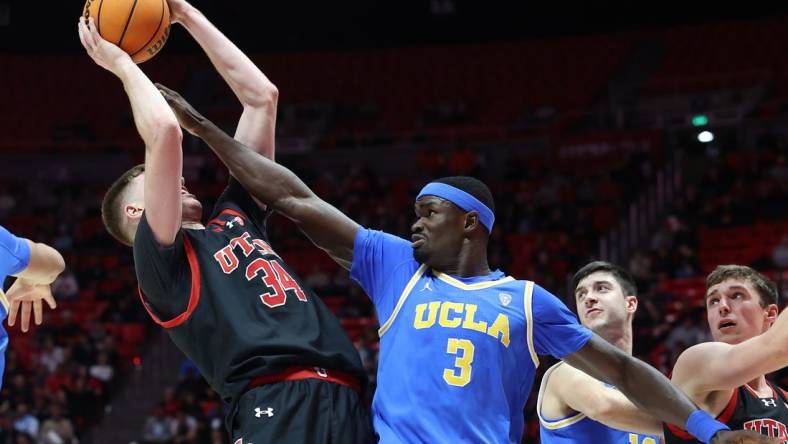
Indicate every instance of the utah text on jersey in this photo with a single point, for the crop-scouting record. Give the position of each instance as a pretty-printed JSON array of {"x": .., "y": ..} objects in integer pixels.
[
  {"x": 267, "y": 266},
  {"x": 768, "y": 427}
]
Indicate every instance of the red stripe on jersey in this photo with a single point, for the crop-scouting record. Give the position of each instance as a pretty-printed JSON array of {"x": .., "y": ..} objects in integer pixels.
[
  {"x": 726, "y": 414},
  {"x": 194, "y": 293},
  {"x": 228, "y": 211},
  {"x": 723, "y": 417}
]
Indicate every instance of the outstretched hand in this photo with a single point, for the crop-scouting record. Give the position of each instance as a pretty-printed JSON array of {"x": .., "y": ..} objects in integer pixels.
[
  {"x": 104, "y": 53},
  {"x": 187, "y": 116},
  {"x": 29, "y": 297},
  {"x": 742, "y": 437}
]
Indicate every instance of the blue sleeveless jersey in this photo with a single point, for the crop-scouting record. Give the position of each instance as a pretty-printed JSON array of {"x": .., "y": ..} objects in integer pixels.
[
  {"x": 457, "y": 355},
  {"x": 580, "y": 429},
  {"x": 14, "y": 257}
]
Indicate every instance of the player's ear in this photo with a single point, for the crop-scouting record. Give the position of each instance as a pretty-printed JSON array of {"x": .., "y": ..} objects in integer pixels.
[
  {"x": 133, "y": 211},
  {"x": 631, "y": 303},
  {"x": 771, "y": 311},
  {"x": 471, "y": 221}
]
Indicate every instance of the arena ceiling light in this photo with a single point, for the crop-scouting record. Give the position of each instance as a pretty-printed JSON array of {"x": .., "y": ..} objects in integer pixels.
[{"x": 705, "y": 136}]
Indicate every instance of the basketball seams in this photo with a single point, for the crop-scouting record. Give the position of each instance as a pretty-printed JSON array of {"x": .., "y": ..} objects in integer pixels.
[
  {"x": 98, "y": 16},
  {"x": 128, "y": 22},
  {"x": 155, "y": 33}
]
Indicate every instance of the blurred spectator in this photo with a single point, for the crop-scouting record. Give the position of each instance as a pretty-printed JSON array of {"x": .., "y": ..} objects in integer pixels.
[
  {"x": 102, "y": 370},
  {"x": 183, "y": 428},
  {"x": 780, "y": 254},
  {"x": 156, "y": 428},
  {"x": 57, "y": 429},
  {"x": 52, "y": 355},
  {"x": 25, "y": 422},
  {"x": 65, "y": 286}
]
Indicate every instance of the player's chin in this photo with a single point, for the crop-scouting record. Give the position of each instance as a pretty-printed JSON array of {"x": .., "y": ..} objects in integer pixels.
[
  {"x": 191, "y": 205},
  {"x": 421, "y": 254}
]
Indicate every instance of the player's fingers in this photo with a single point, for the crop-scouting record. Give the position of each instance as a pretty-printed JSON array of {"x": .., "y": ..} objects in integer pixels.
[
  {"x": 93, "y": 33},
  {"x": 50, "y": 300},
  {"x": 38, "y": 311},
  {"x": 81, "y": 31},
  {"x": 26, "y": 315},
  {"x": 12, "y": 311},
  {"x": 167, "y": 91}
]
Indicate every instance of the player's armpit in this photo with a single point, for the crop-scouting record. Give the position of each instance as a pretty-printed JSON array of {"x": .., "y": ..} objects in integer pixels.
[
  {"x": 728, "y": 366},
  {"x": 604, "y": 404},
  {"x": 642, "y": 384}
]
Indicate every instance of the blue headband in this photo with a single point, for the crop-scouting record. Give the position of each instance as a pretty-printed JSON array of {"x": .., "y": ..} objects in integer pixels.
[{"x": 461, "y": 199}]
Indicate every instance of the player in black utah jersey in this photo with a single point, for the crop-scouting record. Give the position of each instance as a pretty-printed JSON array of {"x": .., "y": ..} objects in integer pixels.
[
  {"x": 263, "y": 341},
  {"x": 726, "y": 377}
]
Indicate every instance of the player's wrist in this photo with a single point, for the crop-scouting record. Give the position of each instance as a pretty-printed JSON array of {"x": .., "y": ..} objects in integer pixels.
[
  {"x": 122, "y": 66},
  {"x": 183, "y": 13},
  {"x": 703, "y": 426}
]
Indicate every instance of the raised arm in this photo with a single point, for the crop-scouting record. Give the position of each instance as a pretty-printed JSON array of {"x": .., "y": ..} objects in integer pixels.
[
  {"x": 327, "y": 227},
  {"x": 729, "y": 366},
  {"x": 652, "y": 392},
  {"x": 582, "y": 393},
  {"x": 255, "y": 92},
  {"x": 158, "y": 128}
]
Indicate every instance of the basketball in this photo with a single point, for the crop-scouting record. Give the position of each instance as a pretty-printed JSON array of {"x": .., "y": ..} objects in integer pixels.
[{"x": 139, "y": 27}]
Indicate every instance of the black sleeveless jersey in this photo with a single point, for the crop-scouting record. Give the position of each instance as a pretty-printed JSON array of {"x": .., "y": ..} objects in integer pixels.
[
  {"x": 746, "y": 411},
  {"x": 231, "y": 304}
]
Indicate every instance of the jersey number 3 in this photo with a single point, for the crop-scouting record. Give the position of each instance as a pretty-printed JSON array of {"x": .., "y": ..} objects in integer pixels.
[
  {"x": 277, "y": 279},
  {"x": 459, "y": 376}
]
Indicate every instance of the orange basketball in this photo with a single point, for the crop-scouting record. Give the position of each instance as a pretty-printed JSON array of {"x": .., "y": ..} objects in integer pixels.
[{"x": 139, "y": 27}]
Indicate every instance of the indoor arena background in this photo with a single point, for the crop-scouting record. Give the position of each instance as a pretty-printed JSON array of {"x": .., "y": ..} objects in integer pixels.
[{"x": 656, "y": 139}]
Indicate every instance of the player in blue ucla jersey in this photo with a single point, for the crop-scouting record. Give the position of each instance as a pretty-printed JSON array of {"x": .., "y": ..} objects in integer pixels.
[
  {"x": 459, "y": 342},
  {"x": 574, "y": 407},
  {"x": 35, "y": 266}
]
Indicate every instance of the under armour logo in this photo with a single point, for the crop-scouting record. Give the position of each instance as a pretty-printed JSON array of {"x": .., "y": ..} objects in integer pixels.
[
  {"x": 259, "y": 412},
  {"x": 769, "y": 402},
  {"x": 231, "y": 223},
  {"x": 426, "y": 286}
]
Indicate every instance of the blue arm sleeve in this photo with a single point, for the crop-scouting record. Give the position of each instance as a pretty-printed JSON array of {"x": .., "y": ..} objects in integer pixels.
[
  {"x": 382, "y": 264},
  {"x": 556, "y": 329},
  {"x": 14, "y": 254}
]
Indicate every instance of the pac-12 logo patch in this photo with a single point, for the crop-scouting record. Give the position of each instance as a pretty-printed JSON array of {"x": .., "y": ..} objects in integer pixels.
[{"x": 505, "y": 298}]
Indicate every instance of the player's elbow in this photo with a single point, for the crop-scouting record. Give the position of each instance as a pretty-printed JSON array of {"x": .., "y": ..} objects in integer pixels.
[
  {"x": 296, "y": 208},
  {"x": 167, "y": 133},
  {"x": 58, "y": 264},
  {"x": 265, "y": 95}
]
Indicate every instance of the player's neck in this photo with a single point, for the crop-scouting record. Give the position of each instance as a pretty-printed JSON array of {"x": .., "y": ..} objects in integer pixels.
[
  {"x": 620, "y": 338},
  {"x": 472, "y": 261},
  {"x": 760, "y": 385}
]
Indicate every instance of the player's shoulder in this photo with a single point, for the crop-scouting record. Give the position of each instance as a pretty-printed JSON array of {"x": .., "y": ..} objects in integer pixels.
[
  {"x": 6, "y": 237},
  {"x": 565, "y": 373},
  {"x": 699, "y": 353}
]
